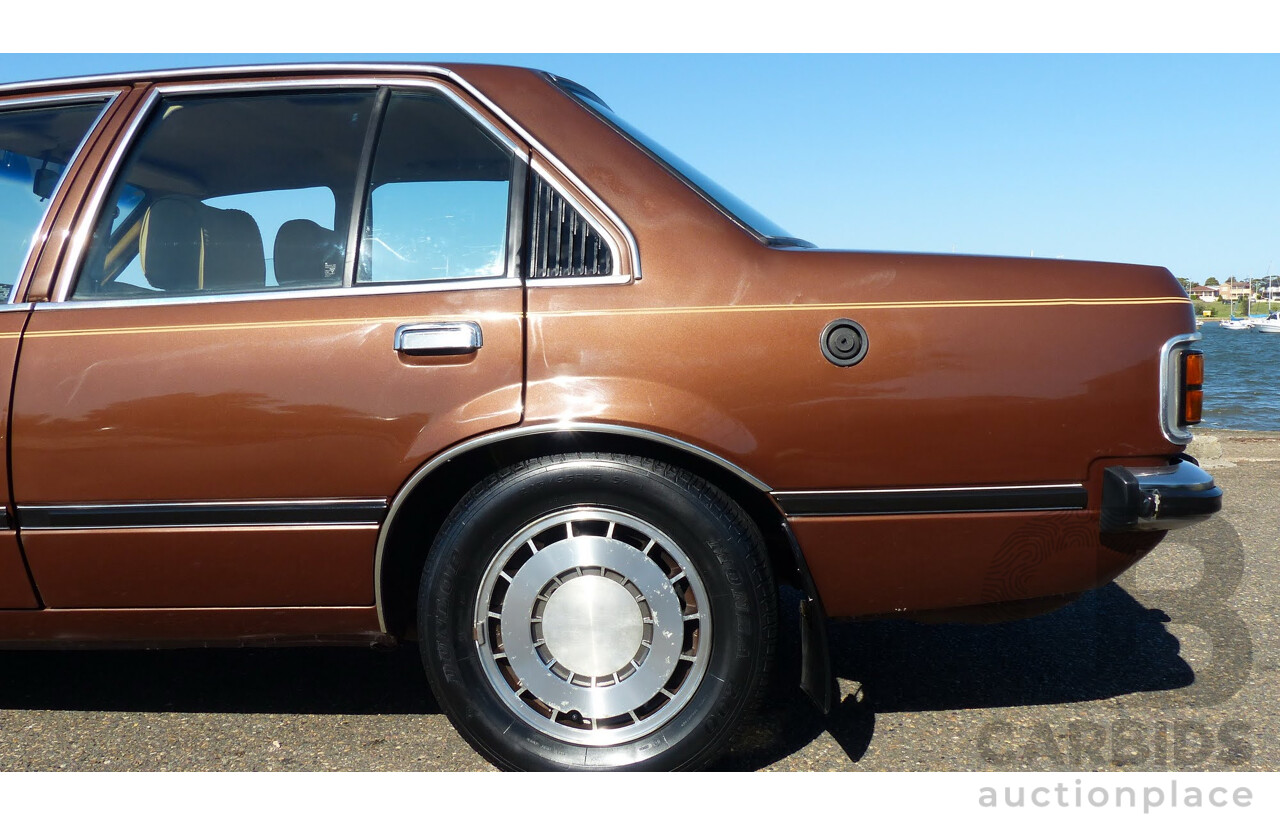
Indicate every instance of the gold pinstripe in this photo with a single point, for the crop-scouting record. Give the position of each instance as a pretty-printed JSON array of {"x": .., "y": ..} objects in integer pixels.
[
  {"x": 974, "y": 304},
  {"x": 585, "y": 313}
]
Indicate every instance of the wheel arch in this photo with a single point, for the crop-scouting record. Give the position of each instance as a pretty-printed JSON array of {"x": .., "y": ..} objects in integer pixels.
[{"x": 425, "y": 500}]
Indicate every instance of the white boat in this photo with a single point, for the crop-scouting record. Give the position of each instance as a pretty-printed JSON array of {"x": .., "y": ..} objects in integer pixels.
[
  {"x": 1272, "y": 322},
  {"x": 1269, "y": 324},
  {"x": 1246, "y": 322}
]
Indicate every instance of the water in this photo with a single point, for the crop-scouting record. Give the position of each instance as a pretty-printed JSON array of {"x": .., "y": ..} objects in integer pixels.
[{"x": 1242, "y": 379}]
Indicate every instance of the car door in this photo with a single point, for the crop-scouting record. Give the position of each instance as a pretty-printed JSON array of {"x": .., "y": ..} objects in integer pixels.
[
  {"x": 283, "y": 298},
  {"x": 41, "y": 136}
]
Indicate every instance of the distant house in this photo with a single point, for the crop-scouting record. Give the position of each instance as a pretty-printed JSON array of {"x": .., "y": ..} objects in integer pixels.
[
  {"x": 1204, "y": 293},
  {"x": 1233, "y": 289}
]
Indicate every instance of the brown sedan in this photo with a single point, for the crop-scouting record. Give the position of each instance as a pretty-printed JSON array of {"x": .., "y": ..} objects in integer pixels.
[{"x": 453, "y": 355}]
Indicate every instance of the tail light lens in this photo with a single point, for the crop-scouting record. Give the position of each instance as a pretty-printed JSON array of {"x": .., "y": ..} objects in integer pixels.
[{"x": 1192, "y": 401}]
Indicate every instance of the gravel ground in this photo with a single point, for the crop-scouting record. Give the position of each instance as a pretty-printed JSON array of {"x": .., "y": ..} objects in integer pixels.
[{"x": 1173, "y": 667}]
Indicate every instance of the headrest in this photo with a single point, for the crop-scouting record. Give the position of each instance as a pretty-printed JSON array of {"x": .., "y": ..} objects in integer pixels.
[
  {"x": 307, "y": 254},
  {"x": 187, "y": 246},
  {"x": 171, "y": 246},
  {"x": 233, "y": 258}
]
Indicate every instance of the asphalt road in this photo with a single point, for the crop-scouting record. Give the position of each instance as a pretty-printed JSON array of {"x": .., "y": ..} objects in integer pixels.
[{"x": 1173, "y": 667}]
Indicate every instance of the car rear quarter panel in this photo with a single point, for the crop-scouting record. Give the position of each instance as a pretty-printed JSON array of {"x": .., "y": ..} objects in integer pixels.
[{"x": 980, "y": 371}]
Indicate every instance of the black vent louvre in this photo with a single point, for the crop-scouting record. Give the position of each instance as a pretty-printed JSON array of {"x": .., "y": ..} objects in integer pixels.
[{"x": 561, "y": 243}]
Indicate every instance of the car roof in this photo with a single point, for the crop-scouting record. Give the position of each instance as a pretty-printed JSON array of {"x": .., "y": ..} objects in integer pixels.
[{"x": 215, "y": 72}]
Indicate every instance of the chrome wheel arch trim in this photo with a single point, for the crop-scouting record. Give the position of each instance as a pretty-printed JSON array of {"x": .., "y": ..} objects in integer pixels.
[{"x": 490, "y": 438}]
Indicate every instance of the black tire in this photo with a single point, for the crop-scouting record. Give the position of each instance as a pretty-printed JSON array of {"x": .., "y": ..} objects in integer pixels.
[{"x": 639, "y": 538}]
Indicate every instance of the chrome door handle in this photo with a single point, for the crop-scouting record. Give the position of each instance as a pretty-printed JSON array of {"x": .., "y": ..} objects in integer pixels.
[{"x": 451, "y": 338}]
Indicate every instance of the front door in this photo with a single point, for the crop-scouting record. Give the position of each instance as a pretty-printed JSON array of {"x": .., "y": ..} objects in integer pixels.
[{"x": 288, "y": 300}]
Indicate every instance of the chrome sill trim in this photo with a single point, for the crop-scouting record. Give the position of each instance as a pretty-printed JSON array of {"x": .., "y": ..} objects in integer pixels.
[{"x": 255, "y": 513}]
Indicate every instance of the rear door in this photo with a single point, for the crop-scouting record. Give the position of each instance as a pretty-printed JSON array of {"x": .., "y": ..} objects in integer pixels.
[{"x": 285, "y": 298}]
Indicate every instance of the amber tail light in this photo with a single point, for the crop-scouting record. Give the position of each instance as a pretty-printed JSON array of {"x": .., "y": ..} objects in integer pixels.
[{"x": 1189, "y": 411}]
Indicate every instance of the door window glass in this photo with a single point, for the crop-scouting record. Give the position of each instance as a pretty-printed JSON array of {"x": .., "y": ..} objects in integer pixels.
[
  {"x": 35, "y": 147},
  {"x": 439, "y": 196},
  {"x": 231, "y": 194}
]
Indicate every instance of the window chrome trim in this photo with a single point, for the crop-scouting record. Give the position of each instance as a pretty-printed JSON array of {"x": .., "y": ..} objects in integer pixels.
[
  {"x": 361, "y": 197},
  {"x": 94, "y": 204},
  {"x": 588, "y": 192},
  {"x": 72, "y": 258},
  {"x": 162, "y": 76},
  {"x": 290, "y": 294},
  {"x": 537, "y": 167},
  {"x": 40, "y": 235},
  {"x": 487, "y": 439},
  {"x": 1169, "y": 382}
]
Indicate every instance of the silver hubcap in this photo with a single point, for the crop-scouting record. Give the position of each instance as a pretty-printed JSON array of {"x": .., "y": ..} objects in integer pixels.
[{"x": 592, "y": 626}]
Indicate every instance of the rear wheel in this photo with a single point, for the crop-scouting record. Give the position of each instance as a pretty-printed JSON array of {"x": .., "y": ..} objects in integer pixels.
[{"x": 596, "y": 611}]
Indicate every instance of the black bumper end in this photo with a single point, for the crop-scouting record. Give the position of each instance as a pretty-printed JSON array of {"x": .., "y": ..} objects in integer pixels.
[{"x": 1158, "y": 498}]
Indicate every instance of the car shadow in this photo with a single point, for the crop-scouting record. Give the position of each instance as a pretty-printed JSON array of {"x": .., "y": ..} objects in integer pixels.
[
  {"x": 267, "y": 680},
  {"x": 1105, "y": 644}
]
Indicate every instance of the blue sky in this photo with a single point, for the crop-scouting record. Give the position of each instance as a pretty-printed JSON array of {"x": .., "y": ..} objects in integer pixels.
[{"x": 1165, "y": 159}]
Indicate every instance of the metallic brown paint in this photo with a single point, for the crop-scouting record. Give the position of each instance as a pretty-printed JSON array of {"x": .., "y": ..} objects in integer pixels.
[
  {"x": 955, "y": 561},
  {"x": 271, "y": 399},
  {"x": 190, "y": 627},
  {"x": 15, "y": 586},
  {"x": 204, "y": 567},
  {"x": 980, "y": 371},
  {"x": 15, "y": 583}
]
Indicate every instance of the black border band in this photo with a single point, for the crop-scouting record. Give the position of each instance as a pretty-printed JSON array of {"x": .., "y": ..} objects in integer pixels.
[
  {"x": 202, "y": 514},
  {"x": 918, "y": 502}
]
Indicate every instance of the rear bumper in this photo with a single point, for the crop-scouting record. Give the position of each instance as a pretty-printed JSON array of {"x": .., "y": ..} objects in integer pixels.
[{"x": 1158, "y": 498}]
